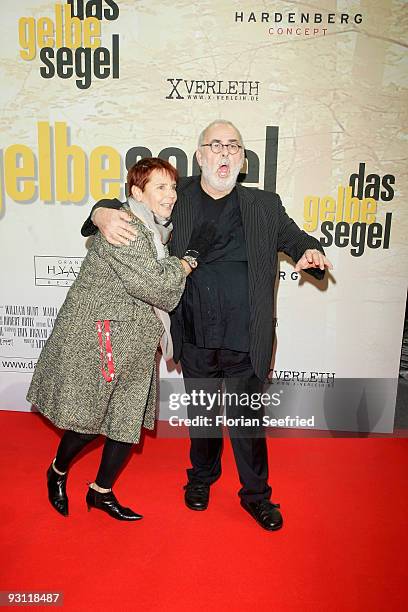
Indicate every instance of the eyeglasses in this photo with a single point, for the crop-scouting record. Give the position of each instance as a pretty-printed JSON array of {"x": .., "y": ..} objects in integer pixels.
[{"x": 217, "y": 147}]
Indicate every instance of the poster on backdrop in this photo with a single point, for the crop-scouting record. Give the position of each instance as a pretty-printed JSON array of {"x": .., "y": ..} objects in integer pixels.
[{"x": 318, "y": 93}]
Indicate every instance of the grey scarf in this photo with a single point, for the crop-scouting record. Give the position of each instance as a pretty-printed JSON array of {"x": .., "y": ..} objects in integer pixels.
[{"x": 161, "y": 230}]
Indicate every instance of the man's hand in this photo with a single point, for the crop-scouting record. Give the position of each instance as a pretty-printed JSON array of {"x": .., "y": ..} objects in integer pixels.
[
  {"x": 114, "y": 226},
  {"x": 312, "y": 258}
]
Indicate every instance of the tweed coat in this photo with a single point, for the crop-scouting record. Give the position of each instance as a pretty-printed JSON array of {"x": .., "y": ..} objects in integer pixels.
[
  {"x": 119, "y": 284},
  {"x": 267, "y": 229}
]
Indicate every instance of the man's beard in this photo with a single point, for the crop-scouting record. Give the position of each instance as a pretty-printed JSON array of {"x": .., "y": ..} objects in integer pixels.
[{"x": 217, "y": 183}]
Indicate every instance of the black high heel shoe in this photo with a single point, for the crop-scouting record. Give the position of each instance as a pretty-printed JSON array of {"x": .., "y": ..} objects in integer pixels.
[
  {"x": 109, "y": 504},
  {"x": 57, "y": 494}
]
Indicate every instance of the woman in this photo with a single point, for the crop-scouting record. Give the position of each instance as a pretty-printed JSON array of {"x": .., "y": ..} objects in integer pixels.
[{"x": 97, "y": 372}]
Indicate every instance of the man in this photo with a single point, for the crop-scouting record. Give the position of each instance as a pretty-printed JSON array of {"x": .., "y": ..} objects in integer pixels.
[{"x": 223, "y": 327}]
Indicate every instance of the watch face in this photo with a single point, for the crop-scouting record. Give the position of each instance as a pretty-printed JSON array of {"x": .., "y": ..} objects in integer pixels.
[{"x": 192, "y": 262}]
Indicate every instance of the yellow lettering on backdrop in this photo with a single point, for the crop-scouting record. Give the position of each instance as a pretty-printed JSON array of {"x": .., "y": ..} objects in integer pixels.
[
  {"x": 73, "y": 29},
  {"x": 351, "y": 207},
  {"x": 68, "y": 157},
  {"x": 92, "y": 33},
  {"x": 347, "y": 208},
  {"x": 311, "y": 213},
  {"x": 67, "y": 31},
  {"x": 327, "y": 208},
  {"x": 19, "y": 165},
  {"x": 66, "y": 166},
  {"x": 26, "y": 37},
  {"x": 340, "y": 200},
  {"x": 59, "y": 38},
  {"x": 45, "y": 161},
  {"x": 45, "y": 32},
  {"x": 368, "y": 211},
  {"x": 101, "y": 175}
]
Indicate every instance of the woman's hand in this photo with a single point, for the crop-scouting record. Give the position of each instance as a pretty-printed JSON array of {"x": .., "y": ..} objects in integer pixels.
[
  {"x": 114, "y": 225},
  {"x": 186, "y": 266}
]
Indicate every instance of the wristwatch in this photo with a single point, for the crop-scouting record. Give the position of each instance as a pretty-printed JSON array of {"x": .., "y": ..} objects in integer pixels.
[
  {"x": 192, "y": 261},
  {"x": 191, "y": 257}
]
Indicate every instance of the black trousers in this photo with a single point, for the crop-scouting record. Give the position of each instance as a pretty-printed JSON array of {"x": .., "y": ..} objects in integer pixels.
[{"x": 206, "y": 370}]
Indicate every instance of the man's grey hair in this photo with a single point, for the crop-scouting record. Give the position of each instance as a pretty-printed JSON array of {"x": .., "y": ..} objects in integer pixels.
[{"x": 201, "y": 138}]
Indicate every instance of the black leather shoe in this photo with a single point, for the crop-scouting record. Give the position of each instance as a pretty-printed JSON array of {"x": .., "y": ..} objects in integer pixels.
[
  {"x": 109, "y": 504},
  {"x": 265, "y": 513},
  {"x": 57, "y": 494},
  {"x": 196, "y": 495}
]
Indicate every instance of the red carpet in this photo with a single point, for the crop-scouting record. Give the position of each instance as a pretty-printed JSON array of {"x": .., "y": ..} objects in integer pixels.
[{"x": 343, "y": 546}]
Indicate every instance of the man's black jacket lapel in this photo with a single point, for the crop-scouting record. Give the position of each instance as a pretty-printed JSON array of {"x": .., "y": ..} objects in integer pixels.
[{"x": 184, "y": 214}]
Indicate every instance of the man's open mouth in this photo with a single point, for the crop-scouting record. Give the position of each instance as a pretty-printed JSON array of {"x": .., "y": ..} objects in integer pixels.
[{"x": 223, "y": 170}]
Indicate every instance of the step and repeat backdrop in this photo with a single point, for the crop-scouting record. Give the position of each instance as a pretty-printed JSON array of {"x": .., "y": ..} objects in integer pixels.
[{"x": 318, "y": 91}]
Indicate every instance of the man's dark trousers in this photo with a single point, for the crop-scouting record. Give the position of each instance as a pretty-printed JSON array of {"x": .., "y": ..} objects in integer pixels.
[{"x": 205, "y": 369}]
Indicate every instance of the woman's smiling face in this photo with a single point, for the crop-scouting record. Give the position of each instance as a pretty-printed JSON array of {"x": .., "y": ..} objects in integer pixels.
[{"x": 159, "y": 193}]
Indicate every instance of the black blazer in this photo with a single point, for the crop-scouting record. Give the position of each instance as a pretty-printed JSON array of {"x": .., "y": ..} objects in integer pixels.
[{"x": 268, "y": 230}]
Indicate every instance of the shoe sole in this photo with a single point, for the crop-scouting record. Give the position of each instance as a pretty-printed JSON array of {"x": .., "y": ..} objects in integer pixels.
[
  {"x": 117, "y": 518},
  {"x": 194, "y": 508}
]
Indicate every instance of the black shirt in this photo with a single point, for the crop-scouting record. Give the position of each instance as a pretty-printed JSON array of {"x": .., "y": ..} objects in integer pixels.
[{"x": 216, "y": 300}]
